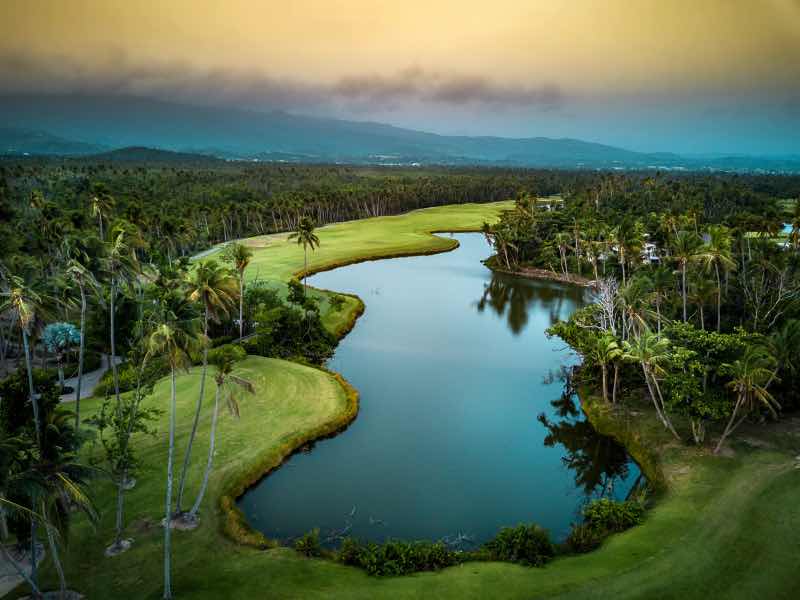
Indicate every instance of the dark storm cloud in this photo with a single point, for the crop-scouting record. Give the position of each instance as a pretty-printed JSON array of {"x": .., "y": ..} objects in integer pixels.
[
  {"x": 114, "y": 73},
  {"x": 418, "y": 84}
]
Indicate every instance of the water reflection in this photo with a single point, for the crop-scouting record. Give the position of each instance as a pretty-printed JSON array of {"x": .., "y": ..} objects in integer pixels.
[
  {"x": 446, "y": 443},
  {"x": 599, "y": 464},
  {"x": 515, "y": 298}
]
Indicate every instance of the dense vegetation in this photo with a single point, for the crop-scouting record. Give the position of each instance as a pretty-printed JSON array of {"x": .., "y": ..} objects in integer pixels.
[
  {"x": 93, "y": 261},
  {"x": 696, "y": 287}
]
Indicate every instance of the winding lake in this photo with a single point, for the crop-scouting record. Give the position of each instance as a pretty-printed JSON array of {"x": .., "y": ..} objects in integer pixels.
[{"x": 466, "y": 422}]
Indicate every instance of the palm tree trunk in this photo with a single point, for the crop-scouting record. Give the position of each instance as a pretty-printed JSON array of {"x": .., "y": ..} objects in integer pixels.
[
  {"x": 730, "y": 426},
  {"x": 33, "y": 550},
  {"x": 305, "y": 269},
  {"x": 719, "y": 300},
  {"x": 113, "y": 340},
  {"x": 667, "y": 420},
  {"x": 702, "y": 318},
  {"x": 241, "y": 304},
  {"x": 658, "y": 313},
  {"x": 80, "y": 359},
  {"x": 605, "y": 382},
  {"x": 62, "y": 581},
  {"x": 616, "y": 380},
  {"x": 168, "y": 500},
  {"x": 31, "y": 391},
  {"x": 120, "y": 504},
  {"x": 683, "y": 280},
  {"x": 196, "y": 421},
  {"x": 209, "y": 462},
  {"x": 60, "y": 366}
]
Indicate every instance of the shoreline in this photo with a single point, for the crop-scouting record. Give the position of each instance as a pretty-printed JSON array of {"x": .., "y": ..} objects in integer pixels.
[
  {"x": 236, "y": 525},
  {"x": 543, "y": 275}
]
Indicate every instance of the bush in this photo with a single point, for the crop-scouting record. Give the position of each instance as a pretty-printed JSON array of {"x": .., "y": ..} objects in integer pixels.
[
  {"x": 349, "y": 552},
  {"x": 397, "y": 557},
  {"x": 156, "y": 368},
  {"x": 611, "y": 516},
  {"x": 524, "y": 544},
  {"x": 308, "y": 544},
  {"x": 583, "y": 538}
]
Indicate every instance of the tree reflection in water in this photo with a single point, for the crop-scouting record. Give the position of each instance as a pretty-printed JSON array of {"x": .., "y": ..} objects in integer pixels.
[
  {"x": 515, "y": 298},
  {"x": 599, "y": 463}
]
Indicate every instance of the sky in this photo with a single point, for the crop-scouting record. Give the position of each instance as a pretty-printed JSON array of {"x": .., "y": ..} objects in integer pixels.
[{"x": 689, "y": 76}]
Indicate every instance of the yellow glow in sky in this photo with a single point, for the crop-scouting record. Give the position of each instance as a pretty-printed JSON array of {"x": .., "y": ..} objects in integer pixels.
[{"x": 582, "y": 45}]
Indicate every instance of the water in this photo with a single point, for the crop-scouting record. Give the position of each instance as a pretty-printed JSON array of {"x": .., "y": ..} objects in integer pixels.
[{"x": 466, "y": 424}]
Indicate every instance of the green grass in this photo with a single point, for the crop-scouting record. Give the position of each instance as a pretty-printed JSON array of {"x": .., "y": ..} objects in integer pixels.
[
  {"x": 276, "y": 259},
  {"x": 726, "y": 527}
]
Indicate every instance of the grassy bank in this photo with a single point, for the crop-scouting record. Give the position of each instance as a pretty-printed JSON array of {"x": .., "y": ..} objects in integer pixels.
[
  {"x": 276, "y": 259},
  {"x": 725, "y": 527}
]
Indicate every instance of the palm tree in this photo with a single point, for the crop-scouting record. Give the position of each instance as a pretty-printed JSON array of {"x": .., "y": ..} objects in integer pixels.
[
  {"x": 628, "y": 239},
  {"x": 604, "y": 350},
  {"x": 562, "y": 240},
  {"x": 663, "y": 282},
  {"x": 23, "y": 303},
  {"x": 716, "y": 254},
  {"x": 240, "y": 256},
  {"x": 635, "y": 304},
  {"x": 783, "y": 345},
  {"x": 702, "y": 292},
  {"x": 102, "y": 204},
  {"x": 685, "y": 247},
  {"x": 214, "y": 288},
  {"x": 56, "y": 482},
  {"x": 751, "y": 374},
  {"x": 225, "y": 380},
  {"x": 172, "y": 338},
  {"x": 651, "y": 350},
  {"x": 122, "y": 267},
  {"x": 305, "y": 235},
  {"x": 84, "y": 279}
]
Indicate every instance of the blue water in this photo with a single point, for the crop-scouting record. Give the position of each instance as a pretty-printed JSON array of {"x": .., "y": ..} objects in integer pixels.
[{"x": 465, "y": 423}]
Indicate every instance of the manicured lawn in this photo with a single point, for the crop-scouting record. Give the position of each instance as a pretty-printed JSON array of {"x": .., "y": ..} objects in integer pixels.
[
  {"x": 276, "y": 259},
  {"x": 725, "y": 528}
]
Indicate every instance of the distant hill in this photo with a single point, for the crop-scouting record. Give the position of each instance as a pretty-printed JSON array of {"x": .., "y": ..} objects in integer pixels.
[
  {"x": 144, "y": 155},
  {"x": 28, "y": 141},
  {"x": 126, "y": 121}
]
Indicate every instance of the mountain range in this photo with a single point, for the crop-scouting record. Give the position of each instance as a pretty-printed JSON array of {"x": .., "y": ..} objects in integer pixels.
[{"x": 81, "y": 125}]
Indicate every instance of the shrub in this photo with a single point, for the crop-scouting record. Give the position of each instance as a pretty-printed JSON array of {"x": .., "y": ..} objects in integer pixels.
[
  {"x": 397, "y": 557},
  {"x": 524, "y": 544},
  {"x": 583, "y": 538},
  {"x": 156, "y": 368},
  {"x": 349, "y": 552},
  {"x": 308, "y": 544},
  {"x": 610, "y": 515}
]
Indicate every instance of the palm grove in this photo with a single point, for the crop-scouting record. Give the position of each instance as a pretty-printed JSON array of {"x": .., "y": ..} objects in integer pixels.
[
  {"x": 695, "y": 294},
  {"x": 146, "y": 318}
]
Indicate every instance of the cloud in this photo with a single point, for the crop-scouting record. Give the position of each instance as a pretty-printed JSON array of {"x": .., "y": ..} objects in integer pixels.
[
  {"x": 115, "y": 73},
  {"x": 417, "y": 84}
]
